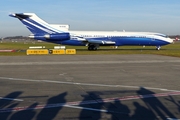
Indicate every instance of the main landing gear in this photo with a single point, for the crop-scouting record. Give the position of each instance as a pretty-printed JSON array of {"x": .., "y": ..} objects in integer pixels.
[{"x": 92, "y": 47}]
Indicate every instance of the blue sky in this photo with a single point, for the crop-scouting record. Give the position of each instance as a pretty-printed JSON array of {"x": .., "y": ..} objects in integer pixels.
[{"x": 161, "y": 16}]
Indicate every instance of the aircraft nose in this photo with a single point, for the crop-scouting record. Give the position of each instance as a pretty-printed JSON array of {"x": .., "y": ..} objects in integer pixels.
[{"x": 171, "y": 40}]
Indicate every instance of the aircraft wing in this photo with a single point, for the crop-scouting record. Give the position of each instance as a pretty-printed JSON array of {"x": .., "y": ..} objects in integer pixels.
[
  {"x": 96, "y": 41},
  {"x": 104, "y": 42},
  {"x": 93, "y": 44}
]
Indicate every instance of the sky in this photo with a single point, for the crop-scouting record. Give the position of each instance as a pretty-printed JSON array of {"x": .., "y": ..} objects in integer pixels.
[{"x": 162, "y": 16}]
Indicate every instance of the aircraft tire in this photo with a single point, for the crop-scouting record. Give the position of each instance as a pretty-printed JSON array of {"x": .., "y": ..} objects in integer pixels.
[
  {"x": 158, "y": 48},
  {"x": 89, "y": 48},
  {"x": 94, "y": 48}
]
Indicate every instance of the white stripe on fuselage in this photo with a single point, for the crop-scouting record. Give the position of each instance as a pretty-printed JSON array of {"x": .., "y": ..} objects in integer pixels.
[{"x": 100, "y": 34}]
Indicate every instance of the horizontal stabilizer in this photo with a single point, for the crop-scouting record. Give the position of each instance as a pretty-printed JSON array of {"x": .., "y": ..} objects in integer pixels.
[
  {"x": 60, "y": 27},
  {"x": 20, "y": 15}
]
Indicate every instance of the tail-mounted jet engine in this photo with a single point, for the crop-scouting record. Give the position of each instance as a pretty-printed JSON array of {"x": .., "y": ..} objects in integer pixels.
[{"x": 60, "y": 36}]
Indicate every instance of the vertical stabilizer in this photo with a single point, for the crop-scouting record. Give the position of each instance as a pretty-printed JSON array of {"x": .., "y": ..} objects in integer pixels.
[{"x": 35, "y": 24}]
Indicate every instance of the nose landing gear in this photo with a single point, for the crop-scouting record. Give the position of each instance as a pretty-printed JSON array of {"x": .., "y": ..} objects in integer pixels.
[{"x": 158, "y": 47}]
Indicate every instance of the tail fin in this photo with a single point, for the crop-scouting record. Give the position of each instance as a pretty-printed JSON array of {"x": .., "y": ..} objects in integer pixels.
[{"x": 35, "y": 24}]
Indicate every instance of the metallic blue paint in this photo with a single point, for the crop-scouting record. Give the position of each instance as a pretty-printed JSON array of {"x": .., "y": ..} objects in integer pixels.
[
  {"x": 43, "y": 31},
  {"x": 72, "y": 42}
]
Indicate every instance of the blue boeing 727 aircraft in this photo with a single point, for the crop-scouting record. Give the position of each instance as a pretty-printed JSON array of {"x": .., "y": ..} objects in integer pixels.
[{"x": 60, "y": 34}]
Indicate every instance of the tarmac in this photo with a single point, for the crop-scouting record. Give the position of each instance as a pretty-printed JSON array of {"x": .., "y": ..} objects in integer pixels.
[{"x": 86, "y": 87}]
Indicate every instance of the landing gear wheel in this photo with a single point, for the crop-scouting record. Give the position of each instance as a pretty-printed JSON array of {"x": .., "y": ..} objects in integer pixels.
[
  {"x": 89, "y": 48},
  {"x": 158, "y": 47},
  {"x": 92, "y": 47}
]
